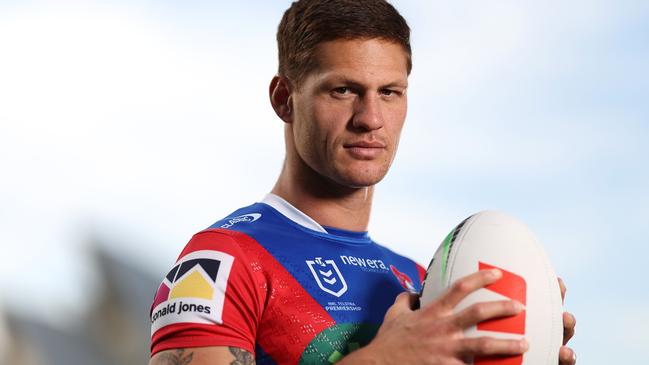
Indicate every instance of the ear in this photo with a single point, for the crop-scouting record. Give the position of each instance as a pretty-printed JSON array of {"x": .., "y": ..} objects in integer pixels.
[{"x": 280, "y": 98}]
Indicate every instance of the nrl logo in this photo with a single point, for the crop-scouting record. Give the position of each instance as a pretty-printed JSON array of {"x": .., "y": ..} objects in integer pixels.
[{"x": 327, "y": 276}]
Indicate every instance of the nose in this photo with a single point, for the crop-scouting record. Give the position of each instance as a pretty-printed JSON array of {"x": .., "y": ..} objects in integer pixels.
[{"x": 367, "y": 113}]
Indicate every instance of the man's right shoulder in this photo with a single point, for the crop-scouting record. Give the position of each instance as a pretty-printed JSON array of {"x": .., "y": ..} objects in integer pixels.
[
  {"x": 211, "y": 239},
  {"x": 196, "y": 304},
  {"x": 224, "y": 235}
]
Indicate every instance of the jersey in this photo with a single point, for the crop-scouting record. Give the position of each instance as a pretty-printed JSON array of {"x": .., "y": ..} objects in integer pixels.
[{"x": 270, "y": 280}]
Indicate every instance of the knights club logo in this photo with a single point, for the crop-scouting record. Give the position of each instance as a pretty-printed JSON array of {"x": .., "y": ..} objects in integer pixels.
[
  {"x": 327, "y": 275},
  {"x": 404, "y": 279}
]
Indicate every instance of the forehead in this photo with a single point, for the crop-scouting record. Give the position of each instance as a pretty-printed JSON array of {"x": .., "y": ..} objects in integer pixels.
[{"x": 362, "y": 60}]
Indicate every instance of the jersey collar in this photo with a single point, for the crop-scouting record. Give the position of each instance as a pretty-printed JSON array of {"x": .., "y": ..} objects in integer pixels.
[{"x": 292, "y": 213}]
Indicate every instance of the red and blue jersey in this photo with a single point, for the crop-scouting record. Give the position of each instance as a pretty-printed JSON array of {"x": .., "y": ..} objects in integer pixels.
[{"x": 271, "y": 281}]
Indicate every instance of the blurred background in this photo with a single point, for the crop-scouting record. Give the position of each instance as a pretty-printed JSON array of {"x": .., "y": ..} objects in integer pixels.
[{"x": 127, "y": 126}]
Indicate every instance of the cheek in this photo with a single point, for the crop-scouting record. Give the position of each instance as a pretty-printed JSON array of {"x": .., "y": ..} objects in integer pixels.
[
  {"x": 328, "y": 124},
  {"x": 314, "y": 135},
  {"x": 395, "y": 123}
]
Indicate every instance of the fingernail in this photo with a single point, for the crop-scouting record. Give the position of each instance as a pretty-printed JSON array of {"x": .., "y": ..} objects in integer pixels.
[
  {"x": 524, "y": 345},
  {"x": 496, "y": 274},
  {"x": 518, "y": 306}
]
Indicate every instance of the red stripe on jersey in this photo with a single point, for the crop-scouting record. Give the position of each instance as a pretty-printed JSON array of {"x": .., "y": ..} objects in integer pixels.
[
  {"x": 242, "y": 308},
  {"x": 289, "y": 325},
  {"x": 264, "y": 304}
]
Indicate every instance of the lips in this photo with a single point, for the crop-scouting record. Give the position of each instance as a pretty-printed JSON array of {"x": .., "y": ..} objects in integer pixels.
[
  {"x": 365, "y": 150},
  {"x": 365, "y": 144}
]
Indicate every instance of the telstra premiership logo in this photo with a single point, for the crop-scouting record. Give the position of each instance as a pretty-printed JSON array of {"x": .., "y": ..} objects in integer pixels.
[
  {"x": 513, "y": 287},
  {"x": 327, "y": 275}
]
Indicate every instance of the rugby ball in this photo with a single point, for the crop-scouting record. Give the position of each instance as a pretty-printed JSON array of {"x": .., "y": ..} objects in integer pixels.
[{"x": 493, "y": 239}]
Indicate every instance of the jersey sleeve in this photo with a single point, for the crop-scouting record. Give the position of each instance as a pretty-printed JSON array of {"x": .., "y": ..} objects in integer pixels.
[{"x": 210, "y": 297}]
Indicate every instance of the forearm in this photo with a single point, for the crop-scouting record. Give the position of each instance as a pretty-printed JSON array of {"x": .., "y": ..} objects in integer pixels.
[{"x": 218, "y": 355}]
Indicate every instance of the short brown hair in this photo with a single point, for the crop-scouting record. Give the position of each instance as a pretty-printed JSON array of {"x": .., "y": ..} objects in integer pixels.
[{"x": 308, "y": 23}]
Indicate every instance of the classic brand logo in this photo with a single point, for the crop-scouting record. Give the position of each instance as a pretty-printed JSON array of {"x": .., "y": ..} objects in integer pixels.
[
  {"x": 513, "y": 287},
  {"x": 327, "y": 275},
  {"x": 242, "y": 218}
]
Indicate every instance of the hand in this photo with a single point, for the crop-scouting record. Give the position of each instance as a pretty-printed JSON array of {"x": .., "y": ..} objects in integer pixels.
[
  {"x": 434, "y": 334},
  {"x": 567, "y": 355}
]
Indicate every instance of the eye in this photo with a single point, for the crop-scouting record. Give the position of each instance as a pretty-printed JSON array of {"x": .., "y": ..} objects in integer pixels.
[
  {"x": 388, "y": 92},
  {"x": 342, "y": 90}
]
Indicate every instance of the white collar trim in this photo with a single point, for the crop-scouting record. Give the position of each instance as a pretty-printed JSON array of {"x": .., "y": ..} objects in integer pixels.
[{"x": 291, "y": 212}]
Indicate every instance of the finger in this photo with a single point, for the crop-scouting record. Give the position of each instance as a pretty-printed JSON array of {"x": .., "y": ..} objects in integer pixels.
[
  {"x": 483, "y": 311},
  {"x": 562, "y": 286},
  {"x": 569, "y": 323},
  {"x": 402, "y": 304},
  {"x": 567, "y": 356},
  {"x": 485, "y": 346},
  {"x": 465, "y": 286}
]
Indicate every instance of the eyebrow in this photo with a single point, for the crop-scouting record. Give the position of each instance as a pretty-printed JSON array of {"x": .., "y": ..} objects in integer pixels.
[{"x": 353, "y": 83}]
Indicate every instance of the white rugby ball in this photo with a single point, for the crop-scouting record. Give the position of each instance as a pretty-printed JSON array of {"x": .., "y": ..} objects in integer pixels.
[{"x": 493, "y": 239}]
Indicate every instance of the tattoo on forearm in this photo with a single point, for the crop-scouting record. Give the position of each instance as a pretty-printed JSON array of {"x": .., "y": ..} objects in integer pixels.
[
  {"x": 177, "y": 357},
  {"x": 241, "y": 357}
]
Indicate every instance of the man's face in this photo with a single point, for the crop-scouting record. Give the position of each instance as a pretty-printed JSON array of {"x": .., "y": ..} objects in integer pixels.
[{"x": 348, "y": 113}]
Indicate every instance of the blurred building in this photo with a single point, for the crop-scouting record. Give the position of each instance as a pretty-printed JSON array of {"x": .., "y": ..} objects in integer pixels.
[{"x": 115, "y": 331}]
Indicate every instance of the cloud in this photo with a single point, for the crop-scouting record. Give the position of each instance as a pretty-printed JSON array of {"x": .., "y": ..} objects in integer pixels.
[
  {"x": 522, "y": 87},
  {"x": 113, "y": 121}
]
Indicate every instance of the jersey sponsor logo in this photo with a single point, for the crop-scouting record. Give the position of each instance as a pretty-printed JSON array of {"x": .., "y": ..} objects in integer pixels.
[
  {"x": 404, "y": 279},
  {"x": 327, "y": 275},
  {"x": 366, "y": 264},
  {"x": 249, "y": 218},
  {"x": 513, "y": 287},
  {"x": 193, "y": 291}
]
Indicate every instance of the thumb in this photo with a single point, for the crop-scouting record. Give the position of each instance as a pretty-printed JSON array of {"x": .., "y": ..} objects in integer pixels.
[{"x": 404, "y": 303}]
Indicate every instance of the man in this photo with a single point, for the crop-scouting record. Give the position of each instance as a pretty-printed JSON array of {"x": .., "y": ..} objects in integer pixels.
[{"x": 295, "y": 278}]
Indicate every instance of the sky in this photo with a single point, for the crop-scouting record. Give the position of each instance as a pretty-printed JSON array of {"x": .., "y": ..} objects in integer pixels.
[{"x": 139, "y": 123}]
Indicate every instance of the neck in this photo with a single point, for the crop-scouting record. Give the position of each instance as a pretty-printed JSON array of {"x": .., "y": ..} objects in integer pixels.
[{"x": 325, "y": 201}]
